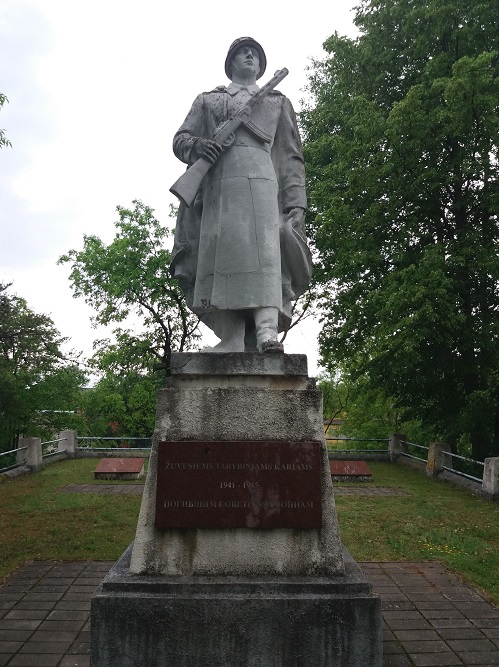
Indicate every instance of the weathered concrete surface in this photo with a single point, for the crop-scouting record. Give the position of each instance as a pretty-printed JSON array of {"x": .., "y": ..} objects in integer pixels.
[
  {"x": 187, "y": 411},
  {"x": 67, "y": 443},
  {"x": 422, "y": 594},
  {"x": 436, "y": 458},
  {"x": 490, "y": 484},
  {"x": 162, "y": 621},
  {"x": 33, "y": 453},
  {"x": 247, "y": 597},
  {"x": 250, "y": 363}
]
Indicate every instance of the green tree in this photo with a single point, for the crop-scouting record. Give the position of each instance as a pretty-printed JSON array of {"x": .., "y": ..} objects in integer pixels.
[
  {"x": 401, "y": 145},
  {"x": 120, "y": 406},
  {"x": 123, "y": 401},
  {"x": 102, "y": 409},
  {"x": 131, "y": 276},
  {"x": 38, "y": 384},
  {"x": 3, "y": 139}
]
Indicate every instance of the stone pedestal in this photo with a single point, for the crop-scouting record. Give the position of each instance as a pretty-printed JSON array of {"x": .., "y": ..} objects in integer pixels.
[
  {"x": 238, "y": 397},
  {"x": 280, "y": 597},
  {"x": 164, "y": 621}
]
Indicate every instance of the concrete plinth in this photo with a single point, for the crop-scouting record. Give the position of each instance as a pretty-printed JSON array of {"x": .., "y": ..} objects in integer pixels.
[
  {"x": 164, "y": 621},
  {"x": 195, "y": 594},
  {"x": 238, "y": 397}
]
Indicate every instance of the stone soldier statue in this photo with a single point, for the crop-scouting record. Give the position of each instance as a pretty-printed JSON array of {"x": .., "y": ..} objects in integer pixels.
[{"x": 240, "y": 252}]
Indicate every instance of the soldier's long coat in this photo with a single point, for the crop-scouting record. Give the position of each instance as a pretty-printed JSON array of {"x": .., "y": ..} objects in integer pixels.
[{"x": 231, "y": 249}]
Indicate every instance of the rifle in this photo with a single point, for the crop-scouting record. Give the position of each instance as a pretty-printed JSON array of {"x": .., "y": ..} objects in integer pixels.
[{"x": 188, "y": 184}]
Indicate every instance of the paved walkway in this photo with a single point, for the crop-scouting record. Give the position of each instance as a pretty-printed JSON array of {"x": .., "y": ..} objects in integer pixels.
[
  {"x": 431, "y": 619},
  {"x": 366, "y": 489},
  {"x": 114, "y": 489}
]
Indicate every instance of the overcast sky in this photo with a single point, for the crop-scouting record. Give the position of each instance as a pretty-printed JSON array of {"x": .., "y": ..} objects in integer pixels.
[{"x": 96, "y": 91}]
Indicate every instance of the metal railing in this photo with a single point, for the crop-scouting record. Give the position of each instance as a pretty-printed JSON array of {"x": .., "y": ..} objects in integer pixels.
[
  {"x": 454, "y": 464},
  {"x": 115, "y": 439},
  {"x": 374, "y": 453},
  {"x": 358, "y": 439},
  {"x": 55, "y": 451},
  {"x": 408, "y": 455},
  {"x": 17, "y": 464},
  {"x": 342, "y": 439},
  {"x": 462, "y": 473}
]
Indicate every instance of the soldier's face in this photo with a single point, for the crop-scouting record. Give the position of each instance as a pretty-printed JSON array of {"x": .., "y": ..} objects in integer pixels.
[{"x": 246, "y": 61}]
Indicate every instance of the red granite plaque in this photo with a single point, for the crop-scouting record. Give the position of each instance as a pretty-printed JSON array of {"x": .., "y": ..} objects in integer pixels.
[
  {"x": 120, "y": 468},
  {"x": 349, "y": 468},
  {"x": 238, "y": 485},
  {"x": 128, "y": 465}
]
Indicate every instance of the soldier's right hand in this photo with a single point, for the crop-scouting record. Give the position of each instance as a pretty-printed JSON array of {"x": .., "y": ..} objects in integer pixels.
[{"x": 207, "y": 149}]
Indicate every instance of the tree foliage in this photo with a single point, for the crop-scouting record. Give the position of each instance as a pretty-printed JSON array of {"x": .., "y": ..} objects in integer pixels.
[
  {"x": 120, "y": 406},
  {"x": 3, "y": 139},
  {"x": 401, "y": 145},
  {"x": 37, "y": 382},
  {"x": 131, "y": 276},
  {"x": 123, "y": 401}
]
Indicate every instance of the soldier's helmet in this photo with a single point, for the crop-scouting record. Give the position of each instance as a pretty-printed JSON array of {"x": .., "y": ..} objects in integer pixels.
[{"x": 237, "y": 44}]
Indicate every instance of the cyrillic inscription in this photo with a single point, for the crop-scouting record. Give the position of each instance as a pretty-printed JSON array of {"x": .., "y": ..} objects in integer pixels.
[{"x": 238, "y": 485}]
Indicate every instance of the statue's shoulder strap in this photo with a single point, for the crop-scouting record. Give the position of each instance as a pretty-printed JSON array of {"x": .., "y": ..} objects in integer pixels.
[{"x": 218, "y": 89}]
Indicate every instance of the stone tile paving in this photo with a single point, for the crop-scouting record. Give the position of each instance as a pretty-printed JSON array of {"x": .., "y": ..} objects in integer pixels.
[
  {"x": 430, "y": 618},
  {"x": 368, "y": 490},
  {"x": 44, "y": 614},
  {"x": 114, "y": 489}
]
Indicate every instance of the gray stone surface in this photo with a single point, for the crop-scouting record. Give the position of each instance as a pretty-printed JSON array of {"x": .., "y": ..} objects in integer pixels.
[
  {"x": 192, "y": 363},
  {"x": 490, "y": 484},
  {"x": 415, "y": 596},
  {"x": 229, "y": 621},
  {"x": 33, "y": 453},
  {"x": 238, "y": 413},
  {"x": 67, "y": 442},
  {"x": 436, "y": 458},
  {"x": 240, "y": 252}
]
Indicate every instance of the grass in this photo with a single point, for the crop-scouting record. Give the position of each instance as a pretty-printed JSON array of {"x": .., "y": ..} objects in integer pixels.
[
  {"x": 38, "y": 522},
  {"x": 436, "y": 521}
]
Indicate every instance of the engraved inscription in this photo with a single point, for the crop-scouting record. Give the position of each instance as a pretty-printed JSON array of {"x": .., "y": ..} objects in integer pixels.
[{"x": 238, "y": 485}]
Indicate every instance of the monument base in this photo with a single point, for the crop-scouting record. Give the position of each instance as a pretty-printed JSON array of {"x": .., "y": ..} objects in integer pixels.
[
  {"x": 195, "y": 621},
  {"x": 236, "y": 398}
]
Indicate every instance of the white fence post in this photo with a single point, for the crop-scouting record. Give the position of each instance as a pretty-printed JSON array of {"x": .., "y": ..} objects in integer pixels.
[
  {"x": 67, "y": 442},
  {"x": 396, "y": 445},
  {"x": 490, "y": 484},
  {"x": 436, "y": 458},
  {"x": 33, "y": 453}
]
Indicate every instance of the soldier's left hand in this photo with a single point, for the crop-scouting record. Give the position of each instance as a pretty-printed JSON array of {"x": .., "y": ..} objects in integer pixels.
[{"x": 296, "y": 218}]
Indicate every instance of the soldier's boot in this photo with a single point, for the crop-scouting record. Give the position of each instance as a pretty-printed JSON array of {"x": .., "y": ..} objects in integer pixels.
[{"x": 266, "y": 321}]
